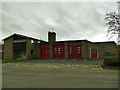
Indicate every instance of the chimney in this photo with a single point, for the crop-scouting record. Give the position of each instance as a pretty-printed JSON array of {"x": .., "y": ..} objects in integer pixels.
[{"x": 51, "y": 36}]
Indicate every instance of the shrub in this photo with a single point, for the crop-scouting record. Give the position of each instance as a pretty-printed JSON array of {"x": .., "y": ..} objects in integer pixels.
[{"x": 111, "y": 61}]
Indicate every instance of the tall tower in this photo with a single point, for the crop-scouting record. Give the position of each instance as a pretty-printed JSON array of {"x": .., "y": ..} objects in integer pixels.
[
  {"x": 51, "y": 39},
  {"x": 51, "y": 36}
]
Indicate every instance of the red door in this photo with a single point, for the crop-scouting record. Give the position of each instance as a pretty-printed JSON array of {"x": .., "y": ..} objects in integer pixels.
[
  {"x": 58, "y": 51},
  {"x": 44, "y": 52},
  {"x": 74, "y": 51},
  {"x": 94, "y": 53}
]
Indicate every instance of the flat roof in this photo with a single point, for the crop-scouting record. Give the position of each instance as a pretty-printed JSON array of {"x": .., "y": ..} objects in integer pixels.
[{"x": 105, "y": 42}]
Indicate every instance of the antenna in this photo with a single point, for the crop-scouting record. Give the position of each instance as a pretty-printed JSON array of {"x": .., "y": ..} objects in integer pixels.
[{"x": 52, "y": 29}]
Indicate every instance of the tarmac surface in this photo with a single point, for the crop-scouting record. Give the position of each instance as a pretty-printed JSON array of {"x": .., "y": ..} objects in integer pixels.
[
  {"x": 0, "y": 75},
  {"x": 58, "y": 73}
]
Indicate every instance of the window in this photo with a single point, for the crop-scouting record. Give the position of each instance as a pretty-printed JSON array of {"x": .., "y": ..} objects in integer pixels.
[
  {"x": 32, "y": 41},
  {"x": 74, "y": 48},
  {"x": 94, "y": 51},
  {"x": 18, "y": 41},
  {"x": 38, "y": 41},
  {"x": 107, "y": 53},
  {"x": 18, "y": 54},
  {"x": 62, "y": 49},
  {"x": 31, "y": 52},
  {"x": 44, "y": 51},
  {"x": 78, "y": 48}
]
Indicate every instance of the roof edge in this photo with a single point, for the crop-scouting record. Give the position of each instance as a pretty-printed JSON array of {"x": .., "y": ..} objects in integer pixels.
[{"x": 22, "y": 36}]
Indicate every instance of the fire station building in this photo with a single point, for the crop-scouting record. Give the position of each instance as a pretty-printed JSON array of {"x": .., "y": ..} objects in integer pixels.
[{"x": 22, "y": 47}]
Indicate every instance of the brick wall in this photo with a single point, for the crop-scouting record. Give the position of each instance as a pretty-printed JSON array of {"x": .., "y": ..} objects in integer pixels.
[
  {"x": 8, "y": 49},
  {"x": 84, "y": 49},
  {"x": 51, "y": 39},
  {"x": 34, "y": 47},
  {"x": 28, "y": 49},
  {"x": 66, "y": 49},
  {"x": 100, "y": 50},
  {"x": 112, "y": 48}
]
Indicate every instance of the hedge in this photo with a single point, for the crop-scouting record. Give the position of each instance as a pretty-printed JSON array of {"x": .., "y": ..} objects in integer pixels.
[{"x": 111, "y": 61}]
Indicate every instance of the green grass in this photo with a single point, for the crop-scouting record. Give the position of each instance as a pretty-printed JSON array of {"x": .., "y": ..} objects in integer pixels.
[{"x": 10, "y": 61}]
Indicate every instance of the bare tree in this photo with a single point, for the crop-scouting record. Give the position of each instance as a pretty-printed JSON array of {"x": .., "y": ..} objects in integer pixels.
[{"x": 113, "y": 21}]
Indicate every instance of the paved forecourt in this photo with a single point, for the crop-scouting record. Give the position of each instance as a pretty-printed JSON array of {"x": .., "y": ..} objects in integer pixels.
[{"x": 58, "y": 73}]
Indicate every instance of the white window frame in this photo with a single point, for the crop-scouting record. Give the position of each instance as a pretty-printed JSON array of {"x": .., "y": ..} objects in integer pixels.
[
  {"x": 19, "y": 41},
  {"x": 32, "y": 42}
]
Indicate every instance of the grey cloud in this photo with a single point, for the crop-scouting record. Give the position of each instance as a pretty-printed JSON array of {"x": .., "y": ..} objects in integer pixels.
[{"x": 69, "y": 20}]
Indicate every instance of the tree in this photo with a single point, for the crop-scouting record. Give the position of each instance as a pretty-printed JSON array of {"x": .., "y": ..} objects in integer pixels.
[{"x": 113, "y": 21}]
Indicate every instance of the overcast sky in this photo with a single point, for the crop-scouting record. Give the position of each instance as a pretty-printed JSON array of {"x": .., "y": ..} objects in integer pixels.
[{"x": 71, "y": 21}]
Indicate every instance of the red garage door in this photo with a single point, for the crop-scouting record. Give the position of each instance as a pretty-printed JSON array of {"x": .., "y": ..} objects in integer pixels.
[
  {"x": 58, "y": 51},
  {"x": 74, "y": 51},
  {"x": 44, "y": 52}
]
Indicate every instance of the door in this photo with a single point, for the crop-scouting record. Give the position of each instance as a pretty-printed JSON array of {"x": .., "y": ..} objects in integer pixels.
[
  {"x": 94, "y": 53},
  {"x": 74, "y": 51},
  {"x": 17, "y": 54},
  {"x": 58, "y": 51},
  {"x": 44, "y": 52}
]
